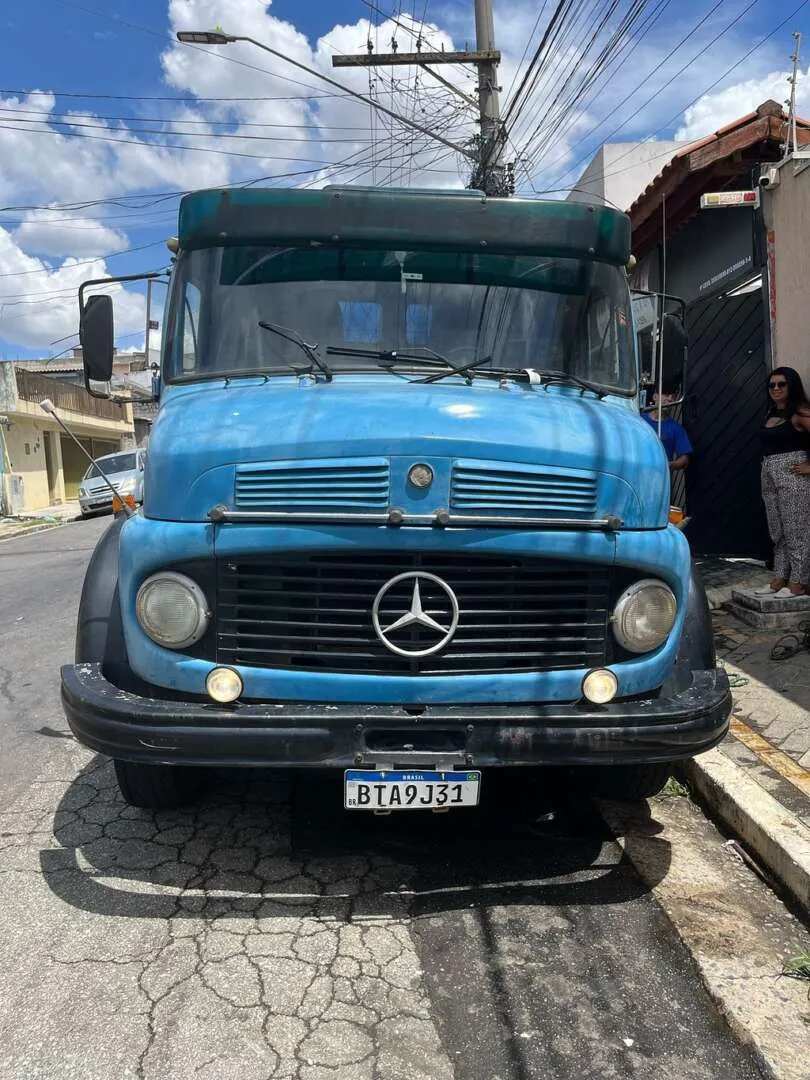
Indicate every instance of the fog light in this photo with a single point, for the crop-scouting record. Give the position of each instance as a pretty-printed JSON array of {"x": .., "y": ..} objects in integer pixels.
[
  {"x": 223, "y": 685},
  {"x": 600, "y": 687}
]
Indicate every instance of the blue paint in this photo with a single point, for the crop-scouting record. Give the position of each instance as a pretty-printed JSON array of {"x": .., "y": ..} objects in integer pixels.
[
  {"x": 291, "y": 442},
  {"x": 205, "y": 430},
  {"x": 147, "y": 546}
]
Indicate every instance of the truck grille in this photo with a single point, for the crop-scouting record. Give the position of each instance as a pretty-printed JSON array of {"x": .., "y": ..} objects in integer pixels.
[
  {"x": 352, "y": 484},
  {"x": 313, "y": 612},
  {"x": 481, "y": 487}
]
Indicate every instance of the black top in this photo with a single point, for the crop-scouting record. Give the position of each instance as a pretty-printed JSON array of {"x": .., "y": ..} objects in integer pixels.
[{"x": 783, "y": 439}]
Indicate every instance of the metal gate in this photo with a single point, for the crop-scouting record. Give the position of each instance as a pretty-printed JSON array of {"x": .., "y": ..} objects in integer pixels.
[{"x": 725, "y": 404}]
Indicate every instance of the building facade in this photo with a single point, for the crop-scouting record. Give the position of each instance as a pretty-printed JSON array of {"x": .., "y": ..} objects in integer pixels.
[
  {"x": 40, "y": 465},
  {"x": 786, "y": 215}
]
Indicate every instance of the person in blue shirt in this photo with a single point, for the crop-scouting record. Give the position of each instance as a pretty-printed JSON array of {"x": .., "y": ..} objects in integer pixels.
[{"x": 673, "y": 435}]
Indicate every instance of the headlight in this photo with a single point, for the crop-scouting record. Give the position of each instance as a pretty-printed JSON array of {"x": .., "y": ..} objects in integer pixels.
[
  {"x": 127, "y": 485},
  {"x": 172, "y": 610},
  {"x": 644, "y": 616}
]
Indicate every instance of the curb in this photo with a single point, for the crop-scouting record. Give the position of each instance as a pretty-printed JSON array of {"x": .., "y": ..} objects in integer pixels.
[
  {"x": 737, "y": 931},
  {"x": 19, "y": 533},
  {"x": 779, "y": 840}
]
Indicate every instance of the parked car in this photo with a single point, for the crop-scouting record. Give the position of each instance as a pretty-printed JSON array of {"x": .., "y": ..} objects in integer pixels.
[{"x": 125, "y": 471}]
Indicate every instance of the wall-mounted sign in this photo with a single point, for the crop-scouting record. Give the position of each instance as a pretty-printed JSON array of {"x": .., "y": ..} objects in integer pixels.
[{"x": 719, "y": 199}]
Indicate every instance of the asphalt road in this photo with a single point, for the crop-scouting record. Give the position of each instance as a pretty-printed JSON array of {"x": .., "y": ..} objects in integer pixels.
[
  {"x": 40, "y": 584},
  {"x": 265, "y": 933}
]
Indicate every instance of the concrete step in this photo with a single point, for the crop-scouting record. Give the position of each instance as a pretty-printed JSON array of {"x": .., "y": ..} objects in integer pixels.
[{"x": 769, "y": 612}]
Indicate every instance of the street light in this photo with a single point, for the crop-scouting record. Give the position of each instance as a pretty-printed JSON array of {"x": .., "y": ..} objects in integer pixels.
[
  {"x": 206, "y": 37},
  {"x": 219, "y": 37}
]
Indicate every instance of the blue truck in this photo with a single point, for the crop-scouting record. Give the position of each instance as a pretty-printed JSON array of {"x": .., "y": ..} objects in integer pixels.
[{"x": 401, "y": 515}]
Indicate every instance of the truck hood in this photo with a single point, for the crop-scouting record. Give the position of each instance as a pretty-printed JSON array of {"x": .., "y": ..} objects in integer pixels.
[{"x": 211, "y": 437}]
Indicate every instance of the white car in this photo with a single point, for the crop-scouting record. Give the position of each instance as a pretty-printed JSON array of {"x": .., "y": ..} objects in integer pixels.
[{"x": 125, "y": 472}]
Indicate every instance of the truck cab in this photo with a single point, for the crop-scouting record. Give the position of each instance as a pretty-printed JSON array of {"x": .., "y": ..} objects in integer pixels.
[{"x": 401, "y": 515}]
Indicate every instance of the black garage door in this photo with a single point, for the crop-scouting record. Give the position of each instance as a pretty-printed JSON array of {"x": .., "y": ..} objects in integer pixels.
[{"x": 724, "y": 408}]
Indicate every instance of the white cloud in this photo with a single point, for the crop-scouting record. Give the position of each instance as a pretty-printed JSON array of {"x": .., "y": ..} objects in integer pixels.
[
  {"x": 47, "y": 233},
  {"x": 327, "y": 126},
  {"x": 38, "y": 301},
  {"x": 40, "y": 162},
  {"x": 715, "y": 110},
  {"x": 292, "y": 129}
]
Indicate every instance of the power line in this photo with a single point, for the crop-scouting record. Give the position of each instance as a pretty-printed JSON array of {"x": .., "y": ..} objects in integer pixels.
[
  {"x": 161, "y": 97},
  {"x": 48, "y": 117},
  {"x": 685, "y": 68},
  {"x": 576, "y": 88},
  {"x": 85, "y": 262},
  {"x": 525, "y": 50},
  {"x": 73, "y": 124},
  {"x": 673, "y": 119},
  {"x": 173, "y": 146},
  {"x": 582, "y": 100}
]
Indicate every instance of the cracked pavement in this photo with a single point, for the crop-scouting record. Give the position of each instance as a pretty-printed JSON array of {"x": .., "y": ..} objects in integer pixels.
[{"x": 263, "y": 932}]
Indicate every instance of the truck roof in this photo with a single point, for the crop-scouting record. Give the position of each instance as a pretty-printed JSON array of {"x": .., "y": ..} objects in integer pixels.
[{"x": 403, "y": 218}]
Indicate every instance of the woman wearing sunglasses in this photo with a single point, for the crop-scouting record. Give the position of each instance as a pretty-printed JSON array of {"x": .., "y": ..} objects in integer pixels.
[{"x": 786, "y": 481}]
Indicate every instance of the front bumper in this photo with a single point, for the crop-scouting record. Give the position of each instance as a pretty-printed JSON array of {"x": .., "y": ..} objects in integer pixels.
[
  {"x": 129, "y": 727},
  {"x": 95, "y": 502}
]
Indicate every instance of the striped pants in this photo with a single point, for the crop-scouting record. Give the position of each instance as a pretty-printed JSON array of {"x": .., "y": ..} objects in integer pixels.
[{"x": 787, "y": 504}]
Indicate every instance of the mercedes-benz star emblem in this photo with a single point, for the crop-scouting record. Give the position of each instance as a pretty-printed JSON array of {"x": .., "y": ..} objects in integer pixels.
[{"x": 397, "y": 594}]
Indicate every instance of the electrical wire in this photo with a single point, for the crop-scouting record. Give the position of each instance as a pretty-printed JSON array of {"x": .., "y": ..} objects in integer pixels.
[
  {"x": 49, "y": 117},
  {"x": 680, "y": 72},
  {"x": 584, "y": 97},
  {"x": 75, "y": 124},
  {"x": 163, "y": 97},
  {"x": 574, "y": 90},
  {"x": 574, "y": 80},
  {"x": 86, "y": 262},
  {"x": 678, "y": 115}
]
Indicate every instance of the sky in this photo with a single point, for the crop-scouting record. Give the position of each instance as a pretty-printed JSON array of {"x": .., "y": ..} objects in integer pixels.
[{"x": 105, "y": 119}]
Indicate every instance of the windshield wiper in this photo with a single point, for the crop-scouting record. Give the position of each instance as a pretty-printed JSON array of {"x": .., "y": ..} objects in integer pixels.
[
  {"x": 296, "y": 339},
  {"x": 524, "y": 373},
  {"x": 463, "y": 368},
  {"x": 574, "y": 380},
  {"x": 389, "y": 357}
]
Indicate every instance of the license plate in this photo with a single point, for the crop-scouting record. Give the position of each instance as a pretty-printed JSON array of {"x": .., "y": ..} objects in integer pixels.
[{"x": 411, "y": 790}]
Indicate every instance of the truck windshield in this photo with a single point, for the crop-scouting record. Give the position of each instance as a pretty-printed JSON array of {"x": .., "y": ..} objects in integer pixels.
[{"x": 523, "y": 312}]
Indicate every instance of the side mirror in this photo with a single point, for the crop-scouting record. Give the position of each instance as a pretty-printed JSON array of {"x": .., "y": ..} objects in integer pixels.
[
  {"x": 97, "y": 338},
  {"x": 672, "y": 352},
  {"x": 662, "y": 342}
]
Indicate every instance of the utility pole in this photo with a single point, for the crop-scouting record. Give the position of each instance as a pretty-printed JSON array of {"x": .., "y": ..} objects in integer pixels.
[
  {"x": 148, "y": 321},
  {"x": 797, "y": 41},
  {"x": 490, "y": 173}
]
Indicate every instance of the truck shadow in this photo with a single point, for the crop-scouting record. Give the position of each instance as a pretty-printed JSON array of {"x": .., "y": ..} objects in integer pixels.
[{"x": 263, "y": 845}]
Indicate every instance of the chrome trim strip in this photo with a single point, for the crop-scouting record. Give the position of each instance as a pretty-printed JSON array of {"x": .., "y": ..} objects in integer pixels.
[
  {"x": 607, "y": 523},
  {"x": 439, "y": 519}
]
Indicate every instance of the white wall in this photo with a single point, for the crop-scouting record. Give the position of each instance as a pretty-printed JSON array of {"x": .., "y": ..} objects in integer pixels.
[{"x": 619, "y": 172}]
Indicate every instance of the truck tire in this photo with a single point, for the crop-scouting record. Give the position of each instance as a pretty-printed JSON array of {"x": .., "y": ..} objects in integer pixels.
[
  {"x": 156, "y": 787},
  {"x": 100, "y": 640},
  {"x": 627, "y": 783}
]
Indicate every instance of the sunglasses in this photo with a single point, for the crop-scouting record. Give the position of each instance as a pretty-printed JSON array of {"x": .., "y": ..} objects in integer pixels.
[{"x": 777, "y": 385}]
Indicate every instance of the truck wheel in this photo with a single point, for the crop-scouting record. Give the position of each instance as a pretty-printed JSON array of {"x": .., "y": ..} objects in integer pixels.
[
  {"x": 156, "y": 787},
  {"x": 627, "y": 783}
]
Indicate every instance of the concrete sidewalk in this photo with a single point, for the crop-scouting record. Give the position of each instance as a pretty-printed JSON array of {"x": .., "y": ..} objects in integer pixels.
[
  {"x": 34, "y": 520},
  {"x": 758, "y": 780}
]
